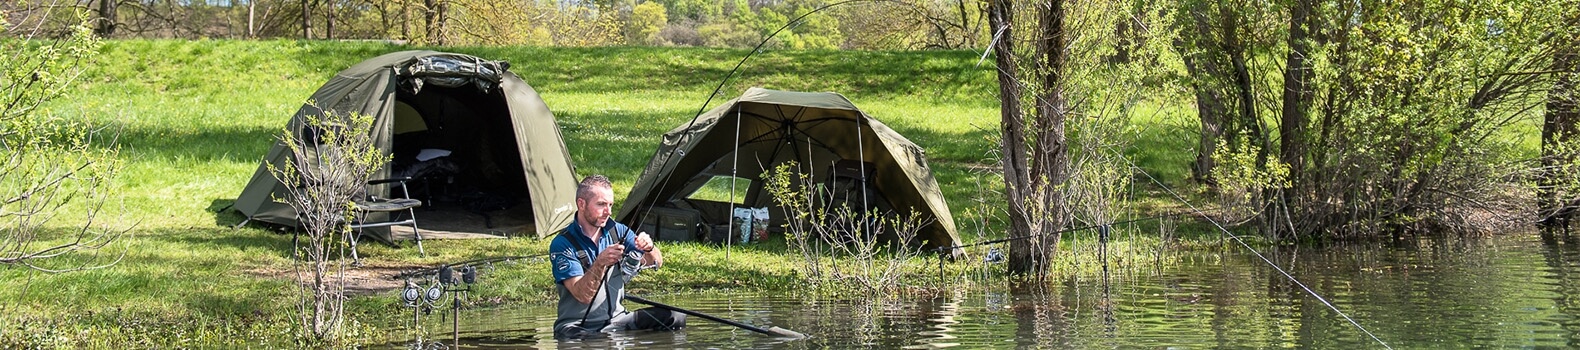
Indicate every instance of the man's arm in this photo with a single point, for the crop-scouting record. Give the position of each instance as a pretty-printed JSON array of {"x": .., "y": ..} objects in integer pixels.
[{"x": 585, "y": 287}]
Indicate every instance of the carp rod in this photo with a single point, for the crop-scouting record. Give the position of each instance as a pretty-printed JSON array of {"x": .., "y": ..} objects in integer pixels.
[{"x": 489, "y": 260}]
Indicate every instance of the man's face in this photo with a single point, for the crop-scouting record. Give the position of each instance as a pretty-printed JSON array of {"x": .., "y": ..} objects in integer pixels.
[{"x": 596, "y": 208}]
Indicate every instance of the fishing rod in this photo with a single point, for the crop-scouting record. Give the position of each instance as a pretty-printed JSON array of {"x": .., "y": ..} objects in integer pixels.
[
  {"x": 773, "y": 331},
  {"x": 490, "y": 260},
  {"x": 1099, "y": 226},
  {"x": 608, "y": 271}
]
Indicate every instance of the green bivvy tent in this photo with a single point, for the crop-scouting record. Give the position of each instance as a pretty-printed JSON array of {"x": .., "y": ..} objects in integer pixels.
[
  {"x": 853, "y": 158},
  {"x": 481, "y": 146}
]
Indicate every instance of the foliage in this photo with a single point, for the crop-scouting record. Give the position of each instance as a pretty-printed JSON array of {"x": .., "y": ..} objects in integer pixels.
[
  {"x": 695, "y": 10},
  {"x": 333, "y": 157},
  {"x": 864, "y": 248},
  {"x": 1559, "y": 178},
  {"x": 646, "y": 20},
  {"x": 191, "y": 139},
  {"x": 52, "y": 170},
  {"x": 472, "y": 22},
  {"x": 1242, "y": 182},
  {"x": 1388, "y": 116}
]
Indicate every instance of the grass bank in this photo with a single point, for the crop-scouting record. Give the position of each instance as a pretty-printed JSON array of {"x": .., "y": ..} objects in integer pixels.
[{"x": 194, "y": 118}]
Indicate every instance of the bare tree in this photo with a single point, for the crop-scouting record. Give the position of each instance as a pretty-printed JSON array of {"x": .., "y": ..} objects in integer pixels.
[
  {"x": 49, "y": 165},
  {"x": 333, "y": 159}
]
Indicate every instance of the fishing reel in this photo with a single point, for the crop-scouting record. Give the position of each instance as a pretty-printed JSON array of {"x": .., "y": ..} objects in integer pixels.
[{"x": 415, "y": 295}]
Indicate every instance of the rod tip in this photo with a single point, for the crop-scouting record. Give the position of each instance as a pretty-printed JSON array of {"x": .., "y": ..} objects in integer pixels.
[{"x": 786, "y": 333}]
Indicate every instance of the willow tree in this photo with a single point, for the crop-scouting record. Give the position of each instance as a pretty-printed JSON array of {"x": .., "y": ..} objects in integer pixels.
[
  {"x": 1063, "y": 102},
  {"x": 1033, "y": 150}
]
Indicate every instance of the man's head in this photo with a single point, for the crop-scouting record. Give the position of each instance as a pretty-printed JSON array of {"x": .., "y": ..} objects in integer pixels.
[{"x": 594, "y": 201}]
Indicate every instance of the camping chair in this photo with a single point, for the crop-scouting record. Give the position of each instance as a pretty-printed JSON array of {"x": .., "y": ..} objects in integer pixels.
[{"x": 392, "y": 207}]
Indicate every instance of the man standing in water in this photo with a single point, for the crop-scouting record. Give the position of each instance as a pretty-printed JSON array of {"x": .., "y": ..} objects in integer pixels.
[{"x": 592, "y": 264}]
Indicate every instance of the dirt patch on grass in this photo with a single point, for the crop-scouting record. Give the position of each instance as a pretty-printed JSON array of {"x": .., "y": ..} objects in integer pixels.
[{"x": 372, "y": 278}]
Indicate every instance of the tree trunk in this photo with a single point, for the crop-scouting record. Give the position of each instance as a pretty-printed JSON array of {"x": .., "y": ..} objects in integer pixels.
[
  {"x": 307, "y": 17},
  {"x": 1204, "y": 45},
  {"x": 1292, "y": 127},
  {"x": 1557, "y": 206},
  {"x": 106, "y": 25},
  {"x": 436, "y": 21},
  {"x": 252, "y": 26},
  {"x": 430, "y": 19},
  {"x": 1210, "y": 111},
  {"x": 329, "y": 19},
  {"x": 966, "y": 40},
  {"x": 1298, "y": 95},
  {"x": 1051, "y": 169},
  {"x": 106, "y": 22},
  {"x": 1012, "y": 123},
  {"x": 444, "y": 22}
]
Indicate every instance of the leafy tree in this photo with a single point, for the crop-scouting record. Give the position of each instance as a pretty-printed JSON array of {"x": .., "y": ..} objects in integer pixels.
[
  {"x": 816, "y": 31},
  {"x": 1384, "y": 112},
  {"x": 1558, "y": 192},
  {"x": 1034, "y": 155},
  {"x": 646, "y": 20},
  {"x": 695, "y": 10}
]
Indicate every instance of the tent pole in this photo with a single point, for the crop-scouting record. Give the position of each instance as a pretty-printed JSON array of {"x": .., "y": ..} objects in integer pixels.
[
  {"x": 735, "y": 163},
  {"x": 861, "y": 168}
]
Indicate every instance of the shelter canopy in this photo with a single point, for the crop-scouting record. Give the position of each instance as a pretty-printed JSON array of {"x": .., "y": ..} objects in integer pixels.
[{"x": 832, "y": 141}]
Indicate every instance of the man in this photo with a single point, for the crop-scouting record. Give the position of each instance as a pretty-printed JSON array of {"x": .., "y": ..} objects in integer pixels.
[{"x": 592, "y": 264}]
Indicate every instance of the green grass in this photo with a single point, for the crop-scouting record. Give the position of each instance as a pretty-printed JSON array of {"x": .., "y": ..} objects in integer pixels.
[{"x": 194, "y": 118}]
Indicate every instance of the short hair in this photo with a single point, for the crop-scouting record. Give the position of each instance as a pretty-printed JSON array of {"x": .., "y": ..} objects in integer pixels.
[{"x": 584, "y": 189}]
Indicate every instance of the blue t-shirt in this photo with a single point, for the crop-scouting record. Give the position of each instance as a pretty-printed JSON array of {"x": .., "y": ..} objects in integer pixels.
[
  {"x": 570, "y": 258},
  {"x": 571, "y": 252}
]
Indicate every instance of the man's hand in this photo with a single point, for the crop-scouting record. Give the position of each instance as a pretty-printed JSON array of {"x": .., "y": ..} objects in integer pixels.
[
  {"x": 652, "y": 257},
  {"x": 644, "y": 242},
  {"x": 611, "y": 255}
]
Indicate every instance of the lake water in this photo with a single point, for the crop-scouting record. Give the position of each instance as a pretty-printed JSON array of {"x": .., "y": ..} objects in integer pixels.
[{"x": 1507, "y": 291}]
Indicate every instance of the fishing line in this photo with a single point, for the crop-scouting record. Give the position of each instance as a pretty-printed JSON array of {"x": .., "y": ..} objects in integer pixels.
[
  {"x": 1215, "y": 223},
  {"x": 603, "y": 286},
  {"x": 1253, "y": 251}
]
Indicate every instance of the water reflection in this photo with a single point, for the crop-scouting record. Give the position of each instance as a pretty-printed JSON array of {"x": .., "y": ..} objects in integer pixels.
[
  {"x": 1511, "y": 291},
  {"x": 1561, "y": 253}
]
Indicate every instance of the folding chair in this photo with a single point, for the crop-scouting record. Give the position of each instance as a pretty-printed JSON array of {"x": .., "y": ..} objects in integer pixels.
[{"x": 368, "y": 208}]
